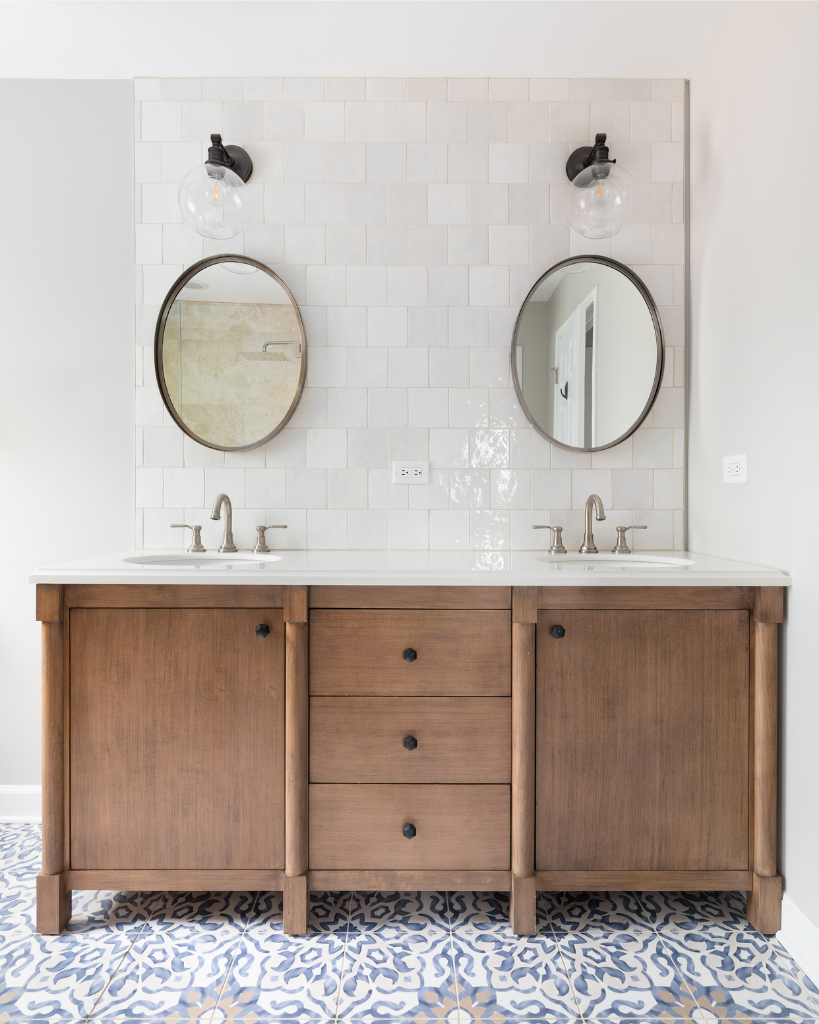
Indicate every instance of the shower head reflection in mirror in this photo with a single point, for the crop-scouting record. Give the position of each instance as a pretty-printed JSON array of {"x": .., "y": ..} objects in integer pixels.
[
  {"x": 587, "y": 353},
  {"x": 230, "y": 353}
]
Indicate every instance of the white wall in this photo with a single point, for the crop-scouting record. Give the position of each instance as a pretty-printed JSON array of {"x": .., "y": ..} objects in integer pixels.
[
  {"x": 66, "y": 387},
  {"x": 67, "y": 39},
  {"x": 755, "y": 356}
]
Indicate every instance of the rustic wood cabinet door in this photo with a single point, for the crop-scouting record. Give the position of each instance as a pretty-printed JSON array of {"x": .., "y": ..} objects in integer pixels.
[
  {"x": 642, "y": 740},
  {"x": 176, "y": 738}
]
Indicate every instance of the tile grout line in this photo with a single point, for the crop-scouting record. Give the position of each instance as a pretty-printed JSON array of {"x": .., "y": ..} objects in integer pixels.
[
  {"x": 349, "y": 901},
  {"x": 656, "y": 931},
  {"x": 233, "y": 959},
  {"x": 580, "y": 1016},
  {"x": 450, "y": 912},
  {"x": 149, "y": 905}
]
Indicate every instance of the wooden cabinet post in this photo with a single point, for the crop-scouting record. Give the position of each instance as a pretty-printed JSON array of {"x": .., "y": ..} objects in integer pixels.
[
  {"x": 296, "y": 895},
  {"x": 522, "y": 896},
  {"x": 765, "y": 898},
  {"x": 53, "y": 894}
]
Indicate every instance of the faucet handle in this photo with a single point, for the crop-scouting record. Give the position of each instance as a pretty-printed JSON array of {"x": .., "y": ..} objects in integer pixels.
[
  {"x": 196, "y": 540},
  {"x": 557, "y": 541},
  {"x": 261, "y": 542},
  {"x": 621, "y": 548}
]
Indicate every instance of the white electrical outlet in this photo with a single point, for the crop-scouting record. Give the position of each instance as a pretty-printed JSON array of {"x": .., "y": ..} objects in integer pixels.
[
  {"x": 735, "y": 469},
  {"x": 410, "y": 472}
]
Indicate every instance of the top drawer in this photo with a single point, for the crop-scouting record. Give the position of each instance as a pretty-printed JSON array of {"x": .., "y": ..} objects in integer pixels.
[{"x": 458, "y": 653}]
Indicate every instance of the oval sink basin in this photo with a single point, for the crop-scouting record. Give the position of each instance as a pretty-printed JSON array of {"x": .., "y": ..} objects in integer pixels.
[
  {"x": 206, "y": 561},
  {"x": 611, "y": 561}
]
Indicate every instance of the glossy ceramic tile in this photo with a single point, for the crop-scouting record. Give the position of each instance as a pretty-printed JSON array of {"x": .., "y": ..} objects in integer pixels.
[{"x": 426, "y": 958}]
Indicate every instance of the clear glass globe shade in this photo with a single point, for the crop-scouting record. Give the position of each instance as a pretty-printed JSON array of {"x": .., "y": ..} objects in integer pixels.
[
  {"x": 601, "y": 204},
  {"x": 215, "y": 201}
]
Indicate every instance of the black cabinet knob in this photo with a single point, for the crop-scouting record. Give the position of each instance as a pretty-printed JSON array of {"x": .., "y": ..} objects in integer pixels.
[
  {"x": 410, "y": 742},
  {"x": 558, "y": 632},
  {"x": 410, "y": 654},
  {"x": 262, "y": 630},
  {"x": 409, "y": 831}
]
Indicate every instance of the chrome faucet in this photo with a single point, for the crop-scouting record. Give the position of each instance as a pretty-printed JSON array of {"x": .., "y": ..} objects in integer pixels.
[
  {"x": 227, "y": 541},
  {"x": 588, "y": 547},
  {"x": 621, "y": 547},
  {"x": 557, "y": 539}
]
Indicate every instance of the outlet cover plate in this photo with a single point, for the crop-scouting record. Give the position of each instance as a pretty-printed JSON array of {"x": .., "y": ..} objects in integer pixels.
[
  {"x": 407, "y": 472},
  {"x": 735, "y": 469}
]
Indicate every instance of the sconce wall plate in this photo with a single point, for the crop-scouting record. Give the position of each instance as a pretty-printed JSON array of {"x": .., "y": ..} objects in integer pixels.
[{"x": 242, "y": 164}]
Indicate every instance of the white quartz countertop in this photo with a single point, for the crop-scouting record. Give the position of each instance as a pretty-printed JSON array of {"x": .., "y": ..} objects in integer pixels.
[{"x": 413, "y": 568}]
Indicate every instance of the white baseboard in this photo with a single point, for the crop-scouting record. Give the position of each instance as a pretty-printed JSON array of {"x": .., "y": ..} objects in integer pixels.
[
  {"x": 800, "y": 936},
  {"x": 20, "y": 805}
]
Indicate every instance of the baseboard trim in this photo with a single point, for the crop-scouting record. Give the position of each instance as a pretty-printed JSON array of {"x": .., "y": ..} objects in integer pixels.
[
  {"x": 800, "y": 936},
  {"x": 21, "y": 805}
]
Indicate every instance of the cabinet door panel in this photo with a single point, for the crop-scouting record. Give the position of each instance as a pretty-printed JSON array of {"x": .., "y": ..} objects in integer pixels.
[
  {"x": 177, "y": 738},
  {"x": 642, "y": 740}
]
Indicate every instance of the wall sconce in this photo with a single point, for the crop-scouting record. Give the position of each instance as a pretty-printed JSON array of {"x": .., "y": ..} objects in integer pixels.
[
  {"x": 602, "y": 201},
  {"x": 212, "y": 197}
]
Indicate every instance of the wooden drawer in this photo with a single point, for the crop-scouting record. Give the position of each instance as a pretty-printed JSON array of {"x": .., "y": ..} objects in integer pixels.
[
  {"x": 459, "y": 653},
  {"x": 459, "y": 739},
  {"x": 457, "y": 827}
]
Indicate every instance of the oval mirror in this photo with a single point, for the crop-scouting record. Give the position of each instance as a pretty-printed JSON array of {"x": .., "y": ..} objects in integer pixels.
[
  {"x": 587, "y": 353},
  {"x": 230, "y": 353}
]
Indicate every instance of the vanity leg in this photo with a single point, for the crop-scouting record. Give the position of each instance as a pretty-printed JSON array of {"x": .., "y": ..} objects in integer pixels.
[
  {"x": 297, "y": 738},
  {"x": 523, "y": 898},
  {"x": 764, "y": 907},
  {"x": 53, "y": 895}
]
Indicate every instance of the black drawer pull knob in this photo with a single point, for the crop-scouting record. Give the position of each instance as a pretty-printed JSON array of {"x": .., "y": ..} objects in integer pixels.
[
  {"x": 410, "y": 742},
  {"x": 410, "y": 654},
  {"x": 409, "y": 831},
  {"x": 262, "y": 630},
  {"x": 558, "y": 632}
]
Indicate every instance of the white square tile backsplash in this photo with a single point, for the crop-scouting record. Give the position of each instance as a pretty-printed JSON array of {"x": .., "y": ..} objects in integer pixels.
[{"x": 410, "y": 217}]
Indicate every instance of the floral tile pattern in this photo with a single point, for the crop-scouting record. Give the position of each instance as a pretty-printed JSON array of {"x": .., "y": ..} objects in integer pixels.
[{"x": 375, "y": 957}]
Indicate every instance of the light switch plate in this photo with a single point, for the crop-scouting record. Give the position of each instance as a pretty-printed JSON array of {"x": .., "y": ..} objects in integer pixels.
[
  {"x": 735, "y": 469},
  {"x": 410, "y": 472}
]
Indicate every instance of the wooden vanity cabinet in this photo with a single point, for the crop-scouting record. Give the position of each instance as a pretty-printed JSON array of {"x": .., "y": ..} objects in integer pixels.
[{"x": 562, "y": 738}]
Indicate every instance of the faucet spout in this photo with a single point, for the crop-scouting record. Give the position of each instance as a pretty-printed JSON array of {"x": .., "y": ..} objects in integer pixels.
[
  {"x": 227, "y": 541},
  {"x": 593, "y": 502}
]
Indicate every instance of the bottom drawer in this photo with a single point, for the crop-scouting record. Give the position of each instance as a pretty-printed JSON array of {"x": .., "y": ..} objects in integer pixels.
[{"x": 456, "y": 827}]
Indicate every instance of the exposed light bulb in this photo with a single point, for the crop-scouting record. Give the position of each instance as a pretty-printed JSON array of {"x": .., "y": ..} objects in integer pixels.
[{"x": 213, "y": 198}]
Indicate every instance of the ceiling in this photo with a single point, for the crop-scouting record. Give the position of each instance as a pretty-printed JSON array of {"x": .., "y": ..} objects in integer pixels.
[{"x": 392, "y": 38}]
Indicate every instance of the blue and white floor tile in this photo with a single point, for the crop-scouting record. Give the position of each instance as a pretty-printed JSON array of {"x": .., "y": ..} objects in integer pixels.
[{"x": 403, "y": 958}]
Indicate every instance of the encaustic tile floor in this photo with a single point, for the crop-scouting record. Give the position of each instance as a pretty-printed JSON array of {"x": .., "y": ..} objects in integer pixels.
[{"x": 223, "y": 958}]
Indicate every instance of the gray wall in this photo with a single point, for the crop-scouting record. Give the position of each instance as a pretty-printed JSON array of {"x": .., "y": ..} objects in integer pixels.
[
  {"x": 66, "y": 390},
  {"x": 755, "y": 357}
]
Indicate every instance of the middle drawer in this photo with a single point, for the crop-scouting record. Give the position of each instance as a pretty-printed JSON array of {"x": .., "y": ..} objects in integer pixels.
[{"x": 457, "y": 739}]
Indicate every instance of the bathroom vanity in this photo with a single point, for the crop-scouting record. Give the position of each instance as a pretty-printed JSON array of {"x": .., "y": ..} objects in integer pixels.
[{"x": 357, "y": 725}]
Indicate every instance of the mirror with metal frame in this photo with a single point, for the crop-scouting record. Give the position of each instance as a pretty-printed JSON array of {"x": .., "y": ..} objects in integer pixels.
[
  {"x": 230, "y": 353},
  {"x": 587, "y": 353}
]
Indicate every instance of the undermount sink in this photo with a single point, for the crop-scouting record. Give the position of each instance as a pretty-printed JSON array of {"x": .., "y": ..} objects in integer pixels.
[
  {"x": 611, "y": 561},
  {"x": 206, "y": 560}
]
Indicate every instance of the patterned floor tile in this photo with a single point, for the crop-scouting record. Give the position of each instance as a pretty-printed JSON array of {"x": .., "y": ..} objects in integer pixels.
[
  {"x": 734, "y": 972},
  {"x": 180, "y": 960},
  {"x": 19, "y": 843},
  {"x": 599, "y": 913},
  {"x": 504, "y": 977},
  {"x": 690, "y": 910},
  {"x": 61, "y": 977},
  {"x": 398, "y": 961},
  {"x": 278, "y": 977},
  {"x": 623, "y": 975}
]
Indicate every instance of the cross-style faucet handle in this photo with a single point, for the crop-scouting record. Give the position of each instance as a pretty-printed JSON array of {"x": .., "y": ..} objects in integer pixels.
[
  {"x": 261, "y": 542},
  {"x": 557, "y": 539},
  {"x": 196, "y": 541},
  {"x": 621, "y": 548}
]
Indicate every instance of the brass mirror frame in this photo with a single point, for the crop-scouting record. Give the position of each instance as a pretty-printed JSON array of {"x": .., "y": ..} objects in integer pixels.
[
  {"x": 159, "y": 337},
  {"x": 658, "y": 334}
]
